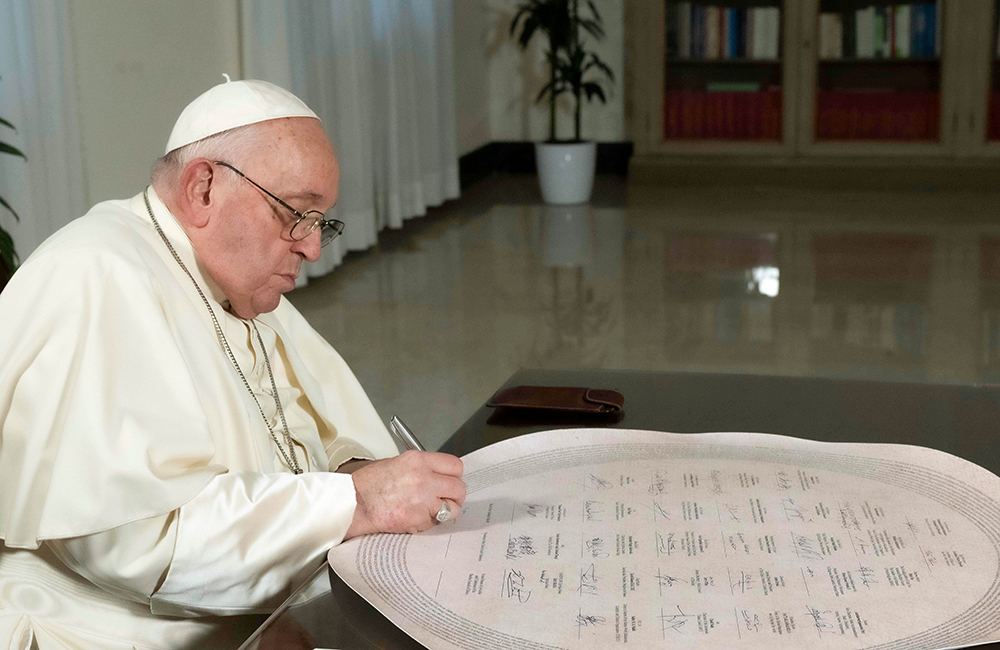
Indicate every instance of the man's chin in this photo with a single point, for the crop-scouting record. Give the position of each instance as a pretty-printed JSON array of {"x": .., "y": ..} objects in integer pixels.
[
  {"x": 266, "y": 303},
  {"x": 259, "y": 304}
]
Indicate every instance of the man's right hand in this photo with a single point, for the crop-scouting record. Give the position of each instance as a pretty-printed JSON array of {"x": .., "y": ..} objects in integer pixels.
[{"x": 404, "y": 493}]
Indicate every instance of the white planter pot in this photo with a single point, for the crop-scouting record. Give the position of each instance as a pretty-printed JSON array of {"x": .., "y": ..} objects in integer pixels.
[{"x": 566, "y": 171}]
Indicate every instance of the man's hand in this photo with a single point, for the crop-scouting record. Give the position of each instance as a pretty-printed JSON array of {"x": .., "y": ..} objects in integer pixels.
[{"x": 404, "y": 493}]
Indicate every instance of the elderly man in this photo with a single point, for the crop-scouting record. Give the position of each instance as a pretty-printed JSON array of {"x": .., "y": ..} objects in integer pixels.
[{"x": 171, "y": 428}]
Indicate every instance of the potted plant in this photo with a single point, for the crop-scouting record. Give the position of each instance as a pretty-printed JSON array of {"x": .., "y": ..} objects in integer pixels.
[
  {"x": 565, "y": 168},
  {"x": 8, "y": 256}
]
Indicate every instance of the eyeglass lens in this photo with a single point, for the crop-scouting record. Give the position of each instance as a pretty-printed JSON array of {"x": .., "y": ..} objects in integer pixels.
[{"x": 305, "y": 227}]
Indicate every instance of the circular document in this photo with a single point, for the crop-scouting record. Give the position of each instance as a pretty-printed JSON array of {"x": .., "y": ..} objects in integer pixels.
[{"x": 613, "y": 538}]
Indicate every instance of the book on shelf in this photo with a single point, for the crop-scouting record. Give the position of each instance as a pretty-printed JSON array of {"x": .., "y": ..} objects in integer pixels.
[
  {"x": 732, "y": 86},
  {"x": 723, "y": 114},
  {"x": 901, "y": 31},
  {"x": 830, "y": 36},
  {"x": 902, "y": 42},
  {"x": 901, "y": 116},
  {"x": 713, "y": 32},
  {"x": 712, "y": 41}
]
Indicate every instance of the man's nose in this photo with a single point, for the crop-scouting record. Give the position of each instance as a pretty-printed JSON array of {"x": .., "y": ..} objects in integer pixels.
[{"x": 310, "y": 247}]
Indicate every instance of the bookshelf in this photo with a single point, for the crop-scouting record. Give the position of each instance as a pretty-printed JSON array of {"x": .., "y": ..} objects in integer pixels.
[
  {"x": 993, "y": 100},
  {"x": 723, "y": 71},
  {"x": 926, "y": 84},
  {"x": 710, "y": 77},
  {"x": 879, "y": 72}
]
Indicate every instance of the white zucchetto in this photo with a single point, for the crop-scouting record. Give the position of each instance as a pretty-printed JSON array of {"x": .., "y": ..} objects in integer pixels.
[{"x": 232, "y": 104}]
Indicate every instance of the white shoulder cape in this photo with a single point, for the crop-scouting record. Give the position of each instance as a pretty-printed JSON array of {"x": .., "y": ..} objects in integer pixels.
[{"x": 116, "y": 401}]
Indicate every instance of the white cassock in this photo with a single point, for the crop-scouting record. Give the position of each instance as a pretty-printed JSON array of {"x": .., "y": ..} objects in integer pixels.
[{"x": 142, "y": 499}]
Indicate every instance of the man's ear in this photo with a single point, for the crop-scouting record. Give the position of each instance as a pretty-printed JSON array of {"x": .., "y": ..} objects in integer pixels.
[{"x": 198, "y": 190}]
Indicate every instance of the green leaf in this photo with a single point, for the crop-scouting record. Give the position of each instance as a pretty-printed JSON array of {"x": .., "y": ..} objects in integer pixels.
[
  {"x": 6, "y": 148},
  {"x": 4, "y": 203},
  {"x": 556, "y": 88},
  {"x": 7, "y": 124},
  {"x": 593, "y": 28},
  {"x": 593, "y": 10},
  {"x": 593, "y": 90},
  {"x": 7, "y": 251}
]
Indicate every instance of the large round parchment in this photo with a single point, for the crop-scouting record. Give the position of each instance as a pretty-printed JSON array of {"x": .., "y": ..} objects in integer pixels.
[{"x": 599, "y": 538}]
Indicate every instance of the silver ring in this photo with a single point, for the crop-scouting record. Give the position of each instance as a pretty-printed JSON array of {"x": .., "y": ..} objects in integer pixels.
[{"x": 444, "y": 514}]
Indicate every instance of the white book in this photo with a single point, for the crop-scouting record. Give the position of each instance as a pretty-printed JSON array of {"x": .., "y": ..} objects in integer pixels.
[
  {"x": 865, "y": 32},
  {"x": 773, "y": 32},
  {"x": 684, "y": 30},
  {"x": 712, "y": 34},
  {"x": 754, "y": 33},
  {"x": 830, "y": 36},
  {"x": 902, "y": 18}
]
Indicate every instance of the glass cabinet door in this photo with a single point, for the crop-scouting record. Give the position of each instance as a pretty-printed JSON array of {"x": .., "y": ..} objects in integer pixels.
[
  {"x": 880, "y": 81},
  {"x": 723, "y": 71},
  {"x": 712, "y": 76}
]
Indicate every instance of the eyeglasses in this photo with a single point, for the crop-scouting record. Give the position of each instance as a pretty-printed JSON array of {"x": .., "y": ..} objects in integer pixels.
[{"x": 306, "y": 222}]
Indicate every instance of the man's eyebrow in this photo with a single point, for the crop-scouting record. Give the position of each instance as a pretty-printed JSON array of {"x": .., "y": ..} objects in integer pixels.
[{"x": 305, "y": 195}]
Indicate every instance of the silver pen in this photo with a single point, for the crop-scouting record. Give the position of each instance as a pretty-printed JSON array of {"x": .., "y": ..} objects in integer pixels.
[{"x": 404, "y": 435}]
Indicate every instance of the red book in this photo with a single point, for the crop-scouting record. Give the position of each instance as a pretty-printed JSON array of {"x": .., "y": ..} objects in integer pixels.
[{"x": 733, "y": 106}]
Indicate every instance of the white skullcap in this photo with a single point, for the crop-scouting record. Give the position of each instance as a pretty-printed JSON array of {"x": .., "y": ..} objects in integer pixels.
[{"x": 232, "y": 104}]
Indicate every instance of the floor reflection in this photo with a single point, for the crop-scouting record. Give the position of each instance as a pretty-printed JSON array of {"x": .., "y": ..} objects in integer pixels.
[{"x": 877, "y": 285}]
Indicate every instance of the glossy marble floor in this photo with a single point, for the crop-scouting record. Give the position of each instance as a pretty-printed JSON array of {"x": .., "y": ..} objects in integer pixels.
[{"x": 899, "y": 286}]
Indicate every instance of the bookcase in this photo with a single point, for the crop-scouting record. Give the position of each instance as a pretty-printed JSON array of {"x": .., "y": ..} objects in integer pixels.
[
  {"x": 813, "y": 78},
  {"x": 708, "y": 77},
  {"x": 723, "y": 72},
  {"x": 993, "y": 112},
  {"x": 878, "y": 76}
]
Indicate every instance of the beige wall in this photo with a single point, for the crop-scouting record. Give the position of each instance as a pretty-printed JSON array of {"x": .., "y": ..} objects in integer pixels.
[
  {"x": 472, "y": 68},
  {"x": 138, "y": 63}
]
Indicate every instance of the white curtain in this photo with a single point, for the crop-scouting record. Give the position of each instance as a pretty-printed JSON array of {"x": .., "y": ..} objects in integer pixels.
[
  {"x": 38, "y": 95},
  {"x": 379, "y": 74}
]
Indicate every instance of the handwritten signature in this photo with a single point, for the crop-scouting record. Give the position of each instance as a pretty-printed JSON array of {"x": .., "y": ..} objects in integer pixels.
[
  {"x": 659, "y": 482},
  {"x": 513, "y": 586},
  {"x": 588, "y": 581},
  {"x": 519, "y": 546},
  {"x": 665, "y": 580},
  {"x": 674, "y": 622},
  {"x": 751, "y": 621},
  {"x": 659, "y": 511},
  {"x": 593, "y": 510},
  {"x": 792, "y": 510},
  {"x": 534, "y": 509},
  {"x": 805, "y": 547},
  {"x": 820, "y": 621},
  {"x": 588, "y": 621},
  {"x": 598, "y": 483},
  {"x": 666, "y": 544},
  {"x": 742, "y": 584},
  {"x": 596, "y": 548},
  {"x": 867, "y": 575},
  {"x": 716, "y": 482}
]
